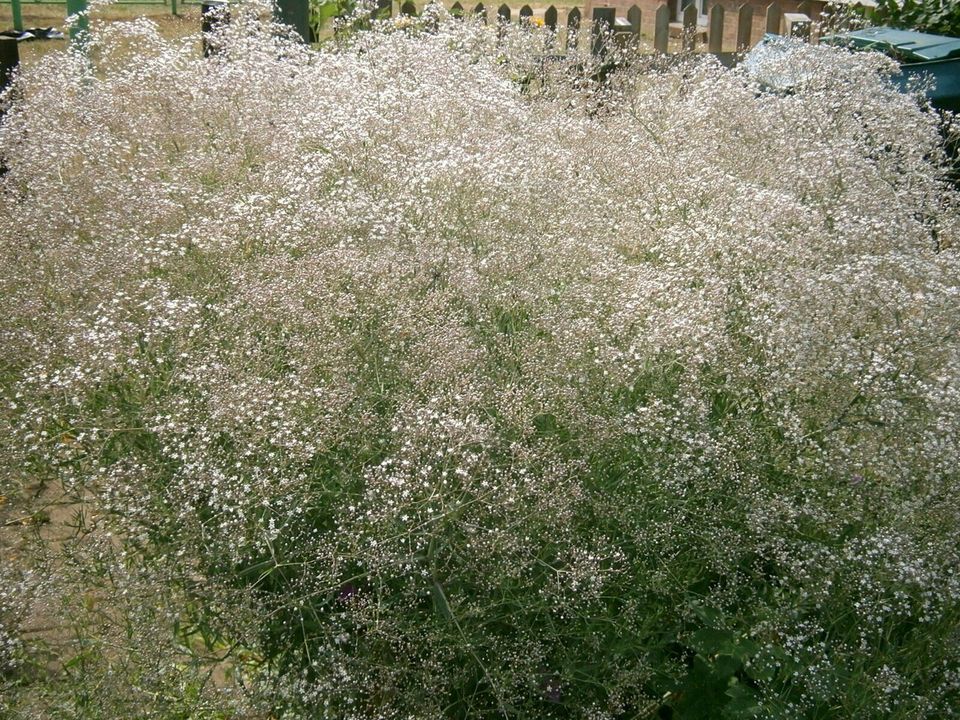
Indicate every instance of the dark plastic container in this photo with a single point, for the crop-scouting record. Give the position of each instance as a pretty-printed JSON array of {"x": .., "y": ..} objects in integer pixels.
[{"x": 920, "y": 55}]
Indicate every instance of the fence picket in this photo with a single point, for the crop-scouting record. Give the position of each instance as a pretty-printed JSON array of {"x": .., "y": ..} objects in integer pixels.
[
  {"x": 774, "y": 16},
  {"x": 716, "y": 28},
  {"x": 634, "y": 17},
  {"x": 689, "y": 38},
  {"x": 744, "y": 27},
  {"x": 661, "y": 31},
  {"x": 573, "y": 28}
]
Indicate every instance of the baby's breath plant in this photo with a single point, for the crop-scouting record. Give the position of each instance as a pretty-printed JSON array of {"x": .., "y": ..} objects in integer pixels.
[{"x": 431, "y": 374}]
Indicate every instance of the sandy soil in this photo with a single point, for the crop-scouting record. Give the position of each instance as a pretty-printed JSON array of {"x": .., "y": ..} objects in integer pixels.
[{"x": 187, "y": 21}]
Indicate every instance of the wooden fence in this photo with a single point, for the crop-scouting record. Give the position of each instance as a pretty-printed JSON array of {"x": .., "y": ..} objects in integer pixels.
[{"x": 686, "y": 29}]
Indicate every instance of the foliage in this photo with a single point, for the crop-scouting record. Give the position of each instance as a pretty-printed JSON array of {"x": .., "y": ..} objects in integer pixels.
[
  {"x": 322, "y": 12},
  {"x": 940, "y": 17},
  {"x": 393, "y": 390},
  {"x": 344, "y": 16}
]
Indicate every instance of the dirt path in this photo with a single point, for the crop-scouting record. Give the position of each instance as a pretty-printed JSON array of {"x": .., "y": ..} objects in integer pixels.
[
  {"x": 36, "y": 529},
  {"x": 187, "y": 21}
]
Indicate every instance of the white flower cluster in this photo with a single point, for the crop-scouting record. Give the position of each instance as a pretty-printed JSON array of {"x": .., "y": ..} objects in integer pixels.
[{"x": 476, "y": 372}]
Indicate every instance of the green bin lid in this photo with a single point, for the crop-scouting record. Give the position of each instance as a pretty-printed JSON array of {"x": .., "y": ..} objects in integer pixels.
[{"x": 906, "y": 45}]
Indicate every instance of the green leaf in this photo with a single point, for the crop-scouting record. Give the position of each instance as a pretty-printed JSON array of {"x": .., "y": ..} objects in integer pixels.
[
  {"x": 743, "y": 702},
  {"x": 440, "y": 603},
  {"x": 711, "y": 641},
  {"x": 725, "y": 667},
  {"x": 711, "y": 617}
]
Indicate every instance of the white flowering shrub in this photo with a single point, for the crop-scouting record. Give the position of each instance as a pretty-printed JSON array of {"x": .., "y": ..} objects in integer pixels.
[
  {"x": 13, "y": 597},
  {"x": 429, "y": 377}
]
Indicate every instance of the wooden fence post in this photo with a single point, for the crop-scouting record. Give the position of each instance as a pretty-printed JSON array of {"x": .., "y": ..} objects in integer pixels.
[
  {"x": 744, "y": 27},
  {"x": 9, "y": 60},
  {"x": 796, "y": 25},
  {"x": 213, "y": 13},
  {"x": 603, "y": 20},
  {"x": 716, "y": 28},
  {"x": 774, "y": 16},
  {"x": 634, "y": 16},
  {"x": 79, "y": 29},
  {"x": 661, "y": 32},
  {"x": 806, "y": 7},
  {"x": 295, "y": 13},
  {"x": 689, "y": 37},
  {"x": 17, "y": 14}
]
